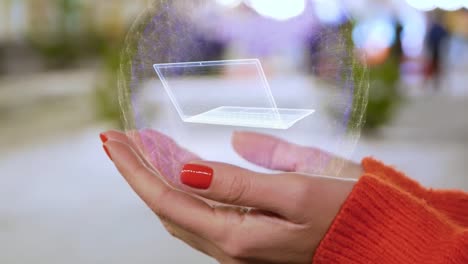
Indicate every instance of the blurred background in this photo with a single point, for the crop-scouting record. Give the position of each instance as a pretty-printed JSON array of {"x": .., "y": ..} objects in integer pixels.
[{"x": 61, "y": 200}]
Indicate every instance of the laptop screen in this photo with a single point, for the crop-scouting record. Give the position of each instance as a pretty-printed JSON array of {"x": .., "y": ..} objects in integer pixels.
[{"x": 198, "y": 87}]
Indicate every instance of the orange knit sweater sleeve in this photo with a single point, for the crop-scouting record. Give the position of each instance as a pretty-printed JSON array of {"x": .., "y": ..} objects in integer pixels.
[{"x": 389, "y": 218}]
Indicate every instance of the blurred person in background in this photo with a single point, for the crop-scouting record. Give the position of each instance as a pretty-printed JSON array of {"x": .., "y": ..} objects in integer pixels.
[
  {"x": 436, "y": 43},
  {"x": 374, "y": 214}
]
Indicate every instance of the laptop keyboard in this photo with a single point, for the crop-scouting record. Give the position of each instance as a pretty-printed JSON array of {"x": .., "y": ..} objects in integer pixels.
[{"x": 250, "y": 117}]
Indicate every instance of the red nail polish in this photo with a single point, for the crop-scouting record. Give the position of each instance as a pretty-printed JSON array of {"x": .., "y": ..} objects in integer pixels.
[
  {"x": 107, "y": 151},
  {"x": 197, "y": 176},
  {"x": 103, "y": 137}
]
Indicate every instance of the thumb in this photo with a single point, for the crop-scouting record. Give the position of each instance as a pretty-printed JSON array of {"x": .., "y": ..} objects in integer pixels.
[
  {"x": 276, "y": 154},
  {"x": 280, "y": 193}
]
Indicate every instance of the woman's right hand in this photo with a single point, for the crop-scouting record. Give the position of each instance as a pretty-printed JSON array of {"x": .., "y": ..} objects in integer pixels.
[{"x": 291, "y": 212}]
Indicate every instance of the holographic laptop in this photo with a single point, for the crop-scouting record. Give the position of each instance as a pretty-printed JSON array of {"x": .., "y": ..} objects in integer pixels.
[{"x": 227, "y": 92}]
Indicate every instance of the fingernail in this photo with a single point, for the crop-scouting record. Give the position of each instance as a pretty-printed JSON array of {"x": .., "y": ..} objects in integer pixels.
[
  {"x": 107, "y": 152},
  {"x": 103, "y": 137},
  {"x": 197, "y": 176}
]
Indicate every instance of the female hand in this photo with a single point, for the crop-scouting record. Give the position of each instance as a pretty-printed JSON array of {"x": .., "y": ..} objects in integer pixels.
[{"x": 290, "y": 212}]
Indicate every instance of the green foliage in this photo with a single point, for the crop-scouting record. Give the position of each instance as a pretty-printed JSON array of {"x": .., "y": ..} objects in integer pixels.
[
  {"x": 383, "y": 93},
  {"x": 106, "y": 99},
  {"x": 374, "y": 102}
]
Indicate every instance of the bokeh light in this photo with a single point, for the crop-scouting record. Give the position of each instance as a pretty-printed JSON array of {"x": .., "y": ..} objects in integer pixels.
[
  {"x": 374, "y": 35},
  {"x": 414, "y": 33},
  {"x": 281, "y": 10},
  {"x": 329, "y": 11},
  {"x": 229, "y": 3}
]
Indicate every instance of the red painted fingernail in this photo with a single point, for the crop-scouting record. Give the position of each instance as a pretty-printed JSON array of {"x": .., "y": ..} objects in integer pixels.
[
  {"x": 197, "y": 176},
  {"x": 103, "y": 137},
  {"x": 107, "y": 151}
]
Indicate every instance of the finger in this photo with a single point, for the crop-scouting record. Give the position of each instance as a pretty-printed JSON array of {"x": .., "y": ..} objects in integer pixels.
[
  {"x": 196, "y": 242},
  {"x": 131, "y": 138},
  {"x": 149, "y": 140},
  {"x": 161, "y": 151},
  {"x": 124, "y": 138},
  {"x": 114, "y": 135},
  {"x": 157, "y": 165},
  {"x": 271, "y": 152},
  {"x": 256, "y": 232},
  {"x": 243, "y": 238},
  {"x": 165, "y": 154},
  {"x": 276, "y": 154},
  {"x": 166, "y": 202},
  {"x": 237, "y": 186},
  {"x": 263, "y": 238}
]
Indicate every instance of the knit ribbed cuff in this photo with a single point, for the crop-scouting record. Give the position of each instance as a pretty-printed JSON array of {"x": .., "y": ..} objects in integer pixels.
[
  {"x": 451, "y": 203},
  {"x": 380, "y": 223}
]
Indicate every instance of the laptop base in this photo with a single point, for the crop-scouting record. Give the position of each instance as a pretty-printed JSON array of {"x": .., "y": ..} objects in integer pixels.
[{"x": 251, "y": 117}]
